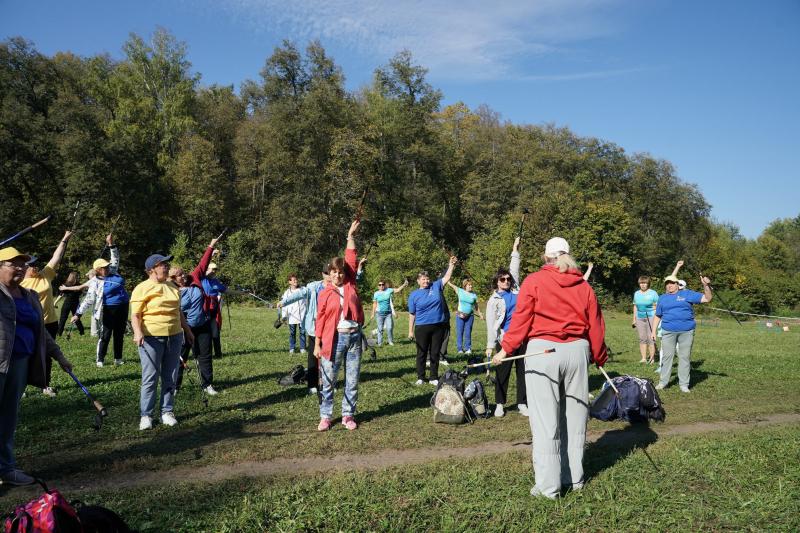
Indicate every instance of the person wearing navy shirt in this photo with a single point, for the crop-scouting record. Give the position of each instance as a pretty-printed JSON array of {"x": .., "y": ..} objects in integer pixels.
[
  {"x": 215, "y": 288},
  {"x": 426, "y": 320},
  {"x": 675, "y": 314}
]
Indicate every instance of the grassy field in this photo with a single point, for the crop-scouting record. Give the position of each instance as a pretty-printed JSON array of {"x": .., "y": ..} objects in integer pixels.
[{"x": 738, "y": 373}]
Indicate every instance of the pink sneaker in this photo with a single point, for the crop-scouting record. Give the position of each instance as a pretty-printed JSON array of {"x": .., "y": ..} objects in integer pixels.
[
  {"x": 349, "y": 423},
  {"x": 324, "y": 424}
]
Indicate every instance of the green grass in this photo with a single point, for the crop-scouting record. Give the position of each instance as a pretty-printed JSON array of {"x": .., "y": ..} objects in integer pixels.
[
  {"x": 738, "y": 373},
  {"x": 735, "y": 481}
]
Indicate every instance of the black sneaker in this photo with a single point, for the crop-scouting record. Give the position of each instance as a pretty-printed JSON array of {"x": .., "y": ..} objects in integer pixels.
[{"x": 17, "y": 477}]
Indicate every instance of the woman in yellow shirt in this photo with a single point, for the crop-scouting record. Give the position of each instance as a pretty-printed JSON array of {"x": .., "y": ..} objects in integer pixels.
[{"x": 158, "y": 331}]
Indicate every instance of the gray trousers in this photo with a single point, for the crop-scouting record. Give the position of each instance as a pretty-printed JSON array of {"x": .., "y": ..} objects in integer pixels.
[
  {"x": 558, "y": 403},
  {"x": 684, "y": 340}
]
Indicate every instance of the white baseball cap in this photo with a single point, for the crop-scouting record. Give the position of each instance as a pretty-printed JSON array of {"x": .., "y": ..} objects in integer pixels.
[
  {"x": 555, "y": 247},
  {"x": 681, "y": 284}
]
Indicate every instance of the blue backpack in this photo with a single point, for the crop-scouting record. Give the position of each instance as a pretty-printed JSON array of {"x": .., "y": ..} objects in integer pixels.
[{"x": 638, "y": 401}]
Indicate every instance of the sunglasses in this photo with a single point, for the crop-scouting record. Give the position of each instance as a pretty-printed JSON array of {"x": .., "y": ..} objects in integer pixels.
[
  {"x": 381, "y": 284},
  {"x": 504, "y": 278}
]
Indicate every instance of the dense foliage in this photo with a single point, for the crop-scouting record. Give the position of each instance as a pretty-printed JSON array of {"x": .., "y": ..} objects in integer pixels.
[{"x": 285, "y": 162}]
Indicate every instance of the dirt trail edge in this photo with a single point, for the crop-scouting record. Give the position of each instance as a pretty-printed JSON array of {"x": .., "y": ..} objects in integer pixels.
[{"x": 388, "y": 458}]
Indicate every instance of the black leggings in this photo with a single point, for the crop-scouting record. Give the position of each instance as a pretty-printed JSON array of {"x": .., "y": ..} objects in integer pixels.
[
  {"x": 202, "y": 353},
  {"x": 503, "y": 375},
  {"x": 69, "y": 306},
  {"x": 215, "y": 333},
  {"x": 312, "y": 374},
  {"x": 115, "y": 320},
  {"x": 429, "y": 337}
]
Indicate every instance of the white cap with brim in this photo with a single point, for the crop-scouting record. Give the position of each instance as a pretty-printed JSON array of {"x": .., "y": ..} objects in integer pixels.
[
  {"x": 7, "y": 254},
  {"x": 100, "y": 263},
  {"x": 555, "y": 247}
]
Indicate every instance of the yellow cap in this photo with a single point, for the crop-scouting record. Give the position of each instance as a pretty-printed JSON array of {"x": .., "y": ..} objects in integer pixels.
[
  {"x": 7, "y": 254},
  {"x": 100, "y": 263},
  {"x": 673, "y": 279},
  {"x": 212, "y": 266}
]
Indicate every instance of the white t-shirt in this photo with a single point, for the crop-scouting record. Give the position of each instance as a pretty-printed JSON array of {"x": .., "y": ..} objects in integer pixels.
[
  {"x": 343, "y": 323},
  {"x": 293, "y": 313}
]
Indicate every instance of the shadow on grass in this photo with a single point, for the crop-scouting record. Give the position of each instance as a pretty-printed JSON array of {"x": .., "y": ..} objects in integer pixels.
[
  {"x": 696, "y": 374},
  {"x": 419, "y": 401},
  {"x": 159, "y": 443},
  {"x": 228, "y": 383},
  {"x": 616, "y": 445}
]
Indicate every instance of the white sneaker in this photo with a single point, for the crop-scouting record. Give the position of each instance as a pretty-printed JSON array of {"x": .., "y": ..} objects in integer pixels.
[
  {"x": 685, "y": 389},
  {"x": 312, "y": 390},
  {"x": 99, "y": 364},
  {"x": 145, "y": 423},
  {"x": 210, "y": 391},
  {"x": 118, "y": 362},
  {"x": 291, "y": 351},
  {"x": 391, "y": 344},
  {"x": 168, "y": 419},
  {"x": 434, "y": 382},
  {"x": 460, "y": 352},
  {"x": 499, "y": 412},
  {"x": 444, "y": 362},
  {"x": 468, "y": 352},
  {"x": 660, "y": 386},
  {"x": 303, "y": 350},
  {"x": 419, "y": 382},
  {"x": 48, "y": 391},
  {"x": 523, "y": 409}
]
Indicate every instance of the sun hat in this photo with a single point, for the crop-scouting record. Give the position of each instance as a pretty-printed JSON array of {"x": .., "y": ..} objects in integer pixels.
[
  {"x": 673, "y": 279},
  {"x": 7, "y": 254},
  {"x": 212, "y": 266},
  {"x": 100, "y": 263},
  {"x": 555, "y": 247}
]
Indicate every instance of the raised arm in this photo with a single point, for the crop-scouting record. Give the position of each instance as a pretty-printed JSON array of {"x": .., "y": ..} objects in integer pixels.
[
  {"x": 513, "y": 266},
  {"x": 455, "y": 288},
  {"x": 707, "y": 294},
  {"x": 80, "y": 287},
  {"x": 403, "y": 286},
  {"x": 114, "y": 261},
  {"x": 58, "y": 254},
  {"x": 678, "y": 266},
  {"x": 588, "y": 272},
  {"x": 200, "y": 270},
  {"x": 451, "y": 265}
]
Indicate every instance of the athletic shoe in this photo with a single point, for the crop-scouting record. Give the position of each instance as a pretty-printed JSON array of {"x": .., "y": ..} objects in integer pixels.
[
  {"x": 391, "y": 344},
  {"x": 324, "y": 424},
  {"x": 303, "y": 350},
  {"x": 499, "y": 412},
  {"x": 444, "y": 362},
  {"x": 17, "y": 477},
  {"x": 99, "y": 364},
  {"x": 460, "y": 352},
  {"x": 685, "y": 389},
  {"x": 145, "y": 423},
  {"x": 118, "y": 362},
  {"x": 168, "y": 419},
  {"x": 660, "y": 386},
  {"x": 468, "y": 352},
  {"x": 210, "y": 391},
  {"x": 523, "y": 409},
  {"x": 658, "y": 370},
  {"x": 349, "y": 423},
  {"x": 427, "y": 364},
  {"x": 312, "y": 390},
  {"x": 434, "y": 382},
  {"x": 537, "y": 492},
  {"x": 291, "y": 351},
  {"x": 48, "y": 391},
  {"x": 419, "y": 382}
]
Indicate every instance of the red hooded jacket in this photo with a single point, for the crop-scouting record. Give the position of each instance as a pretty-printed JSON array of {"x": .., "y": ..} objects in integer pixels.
[
  {"x": 329, "y": 306},
  {"x": 196, "y": 278},
  {"x": 559, "y": 307}
]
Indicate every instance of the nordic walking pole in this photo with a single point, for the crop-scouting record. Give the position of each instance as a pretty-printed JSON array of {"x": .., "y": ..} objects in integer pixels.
[
  {"x": 608, "y": 379},
  {"x": 522, "y": 222},
  {"x": 724, "y": 303},
  {"x": 101, "y": 411},
  {"x": 25, "y": 231},
  {"x": 549, "y": 350},
  {"x": 360, "y": 208},
  {"x": 113, "y": 227}
]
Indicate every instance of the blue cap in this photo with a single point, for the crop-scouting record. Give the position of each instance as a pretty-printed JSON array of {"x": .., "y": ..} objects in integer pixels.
[{"x": 155, "y": 259}]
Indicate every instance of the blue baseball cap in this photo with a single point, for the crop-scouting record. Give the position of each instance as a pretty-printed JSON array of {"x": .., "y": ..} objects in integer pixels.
[{"x": 155, "y": 259}]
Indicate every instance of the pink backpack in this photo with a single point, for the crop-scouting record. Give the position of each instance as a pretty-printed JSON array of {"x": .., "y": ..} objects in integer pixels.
[{"x": 49, "y": 513}]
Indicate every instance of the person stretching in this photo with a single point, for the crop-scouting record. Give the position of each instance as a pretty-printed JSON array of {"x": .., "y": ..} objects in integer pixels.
[
  {"x": 383, "y": 308},
  {"x": 465, "y": 316}
]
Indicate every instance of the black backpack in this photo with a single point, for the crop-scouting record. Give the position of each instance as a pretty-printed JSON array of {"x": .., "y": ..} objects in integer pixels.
[
  {"x": 475, "y": 395},
  {"x": 451, "y": 378},
  {"x": 294, "y": 377},
  {"x": 638, "y": 401}
]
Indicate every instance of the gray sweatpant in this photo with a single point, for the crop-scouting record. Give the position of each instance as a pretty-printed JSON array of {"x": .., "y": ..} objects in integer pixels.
[
  {"x": 684, "y": 340},
  {"x": 558, "y": 403}
]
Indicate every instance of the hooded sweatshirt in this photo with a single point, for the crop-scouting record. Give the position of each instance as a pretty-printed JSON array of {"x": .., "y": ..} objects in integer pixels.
[{"x": 559, "y": 307}]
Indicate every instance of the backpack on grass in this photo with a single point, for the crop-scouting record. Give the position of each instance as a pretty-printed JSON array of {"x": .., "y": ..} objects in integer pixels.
[
  {"x": 49, "y": 513},
  {"x": 475, "y": 395},
  {"x": 294, "y": 377},
  {"x": 449, "y": 406},
  {"x": 638, "y": 401}
]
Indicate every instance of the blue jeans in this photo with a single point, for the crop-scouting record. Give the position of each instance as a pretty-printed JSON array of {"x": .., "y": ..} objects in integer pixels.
[
  {"x": 12, "y": 385},
  {"x": 464, "y": 329},
  {"x": 385, "y": 321},
  {"x": 348, "y": 347},
  {"x": 160, "y": 356},
  {"x": 293, "y": 336}
]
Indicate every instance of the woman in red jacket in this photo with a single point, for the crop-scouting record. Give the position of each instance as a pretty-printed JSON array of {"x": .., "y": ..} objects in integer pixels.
[
  {"x": 338, "y": 334},
  {"x": 556, "y": 308}
]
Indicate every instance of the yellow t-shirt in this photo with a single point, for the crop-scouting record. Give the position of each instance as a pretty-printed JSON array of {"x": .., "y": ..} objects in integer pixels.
[
  {"x": 160, "y": 307},
  {"x": 41, "y": 283}
]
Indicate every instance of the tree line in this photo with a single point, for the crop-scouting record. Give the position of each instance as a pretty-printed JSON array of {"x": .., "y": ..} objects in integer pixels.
[{"x": 285, "y": 162}]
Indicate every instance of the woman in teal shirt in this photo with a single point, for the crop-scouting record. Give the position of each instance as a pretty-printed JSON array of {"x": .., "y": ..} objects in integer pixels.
[
  {"x": 644, "y": 309},
  {"x": 467, "y": 303},
  {"x": 382, "y": 306}
]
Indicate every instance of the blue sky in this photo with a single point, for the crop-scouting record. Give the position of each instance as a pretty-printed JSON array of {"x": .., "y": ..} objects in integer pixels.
[{"x": 711, "y": 86}]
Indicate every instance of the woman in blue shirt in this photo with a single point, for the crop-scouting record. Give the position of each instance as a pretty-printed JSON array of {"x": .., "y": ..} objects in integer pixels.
[
  {"x": 465, "y": 316},
  {"x": 644, "y": 309},
  {"x": 675, "y": 315},
  {"x": 382, "y": 306},
  {"x": 426, "y": 321}
]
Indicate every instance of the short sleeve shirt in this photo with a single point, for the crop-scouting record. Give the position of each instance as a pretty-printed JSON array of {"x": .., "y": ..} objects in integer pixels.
[
  {"x": 427, "y": 304},
  {"x": 384, "y": 299},
  {"x": 42, "y": 284},
  {"x": 160, "y": 307},
  {"x": 675, "y": 310},
  {"x": 466, "y": 301},
  {"x": 26, "y": 330},
  {"x": 644, "y": 302}
]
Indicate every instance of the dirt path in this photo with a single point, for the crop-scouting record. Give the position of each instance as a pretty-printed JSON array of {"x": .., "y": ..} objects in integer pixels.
[{"x": 390, "y": 457}]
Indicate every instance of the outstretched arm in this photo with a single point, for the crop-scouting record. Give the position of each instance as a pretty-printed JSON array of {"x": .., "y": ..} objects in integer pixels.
[
  {"x": 678, "y": 266},
  {"x": 450, "y": 267},
  {"x": 449, "y": 284},
  {"x": 58, "y": 254},
  {"x": 707, "y": 294},
  {"x": 403, "y": 286},
  {"x": 588, "y": 272}
]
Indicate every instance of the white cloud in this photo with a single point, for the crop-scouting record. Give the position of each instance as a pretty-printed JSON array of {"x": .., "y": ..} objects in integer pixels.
[{"x": 467, "y": 39}]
